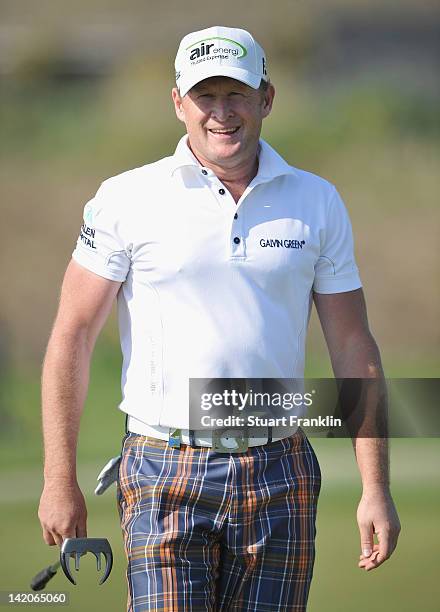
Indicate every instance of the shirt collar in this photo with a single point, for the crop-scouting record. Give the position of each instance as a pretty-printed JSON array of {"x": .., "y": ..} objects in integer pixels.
[{"x": 270, "y": 163}]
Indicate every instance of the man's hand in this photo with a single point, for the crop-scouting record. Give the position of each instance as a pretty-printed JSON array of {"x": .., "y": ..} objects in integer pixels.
[
  {"x": 62, "y": 512},
  {"x": 377, "y": 514}
]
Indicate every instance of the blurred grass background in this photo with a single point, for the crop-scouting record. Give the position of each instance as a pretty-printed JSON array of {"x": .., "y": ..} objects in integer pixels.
[{"x": 85, "y": 94}]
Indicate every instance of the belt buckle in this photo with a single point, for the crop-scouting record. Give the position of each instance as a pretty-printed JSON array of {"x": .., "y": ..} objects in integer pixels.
[{"x": 229, "y": 441}]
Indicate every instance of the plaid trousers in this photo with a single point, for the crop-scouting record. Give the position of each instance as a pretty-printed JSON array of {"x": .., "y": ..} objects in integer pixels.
[{"x": 210, "y": 531}]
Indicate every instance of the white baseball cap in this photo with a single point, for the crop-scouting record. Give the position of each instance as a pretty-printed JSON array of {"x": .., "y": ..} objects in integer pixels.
[{"x": 219, "y": 51}]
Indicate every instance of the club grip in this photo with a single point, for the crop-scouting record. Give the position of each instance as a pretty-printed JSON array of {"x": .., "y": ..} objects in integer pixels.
[{"x": 42, "y": 578}]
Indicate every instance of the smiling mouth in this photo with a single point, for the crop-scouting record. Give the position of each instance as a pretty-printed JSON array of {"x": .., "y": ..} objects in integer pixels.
[{"x": 224, "y": 131}]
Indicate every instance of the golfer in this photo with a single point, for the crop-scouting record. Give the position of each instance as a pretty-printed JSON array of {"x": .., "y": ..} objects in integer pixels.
[{"x": 215, "y": 255}]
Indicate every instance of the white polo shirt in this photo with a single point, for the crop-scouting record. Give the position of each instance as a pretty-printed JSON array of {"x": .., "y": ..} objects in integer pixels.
[{"x": 211, "y": 288}]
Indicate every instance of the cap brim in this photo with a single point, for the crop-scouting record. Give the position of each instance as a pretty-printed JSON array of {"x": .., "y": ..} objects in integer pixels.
[{"x": 239, "y": 74}]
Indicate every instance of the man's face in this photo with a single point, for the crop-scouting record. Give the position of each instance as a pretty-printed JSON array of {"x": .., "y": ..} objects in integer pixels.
[{"x": 223, "y": 119}]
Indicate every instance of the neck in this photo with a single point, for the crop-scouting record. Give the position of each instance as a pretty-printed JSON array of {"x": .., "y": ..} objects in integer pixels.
[
  {"x": 243, "y": 173},
  {"x": 235, "y": 178}
]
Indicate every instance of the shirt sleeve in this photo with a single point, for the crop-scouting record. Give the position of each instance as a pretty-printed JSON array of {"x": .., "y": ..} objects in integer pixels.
[
  {"x": 336, "y": 270},
  {"x": 100, "y": 247}
]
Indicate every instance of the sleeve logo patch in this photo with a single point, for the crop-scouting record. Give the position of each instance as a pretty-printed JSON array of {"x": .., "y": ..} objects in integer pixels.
[
  {"x": 88, "y": 214},
  {"x": 87, "y": 236}
]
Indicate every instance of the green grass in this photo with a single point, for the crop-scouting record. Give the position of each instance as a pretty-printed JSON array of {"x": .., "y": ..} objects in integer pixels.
[
  {"x": 407, "y": 579},
  {"x": 27, "y": 554}
]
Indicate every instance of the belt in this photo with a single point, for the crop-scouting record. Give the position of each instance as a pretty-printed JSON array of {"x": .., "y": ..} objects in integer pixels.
[{"x": 222, "y": 440}]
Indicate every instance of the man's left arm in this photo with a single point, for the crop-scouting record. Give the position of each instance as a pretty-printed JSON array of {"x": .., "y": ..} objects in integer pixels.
[{"x": 354, "y": 354}]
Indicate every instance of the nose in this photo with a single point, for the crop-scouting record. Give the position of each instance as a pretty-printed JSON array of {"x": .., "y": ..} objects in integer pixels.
[{"x": 222, "y": 109}]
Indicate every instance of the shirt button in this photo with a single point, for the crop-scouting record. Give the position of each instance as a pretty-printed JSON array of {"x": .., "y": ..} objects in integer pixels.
[
  {"x": 205, "y": 172},
  {"x": 235, "y": 216},
  {"x": 222, "y": 191},
  {"x": 237, "y": 240}
]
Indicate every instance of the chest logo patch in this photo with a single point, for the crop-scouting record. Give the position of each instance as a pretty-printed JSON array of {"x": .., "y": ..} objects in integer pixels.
[{"x": 286, "y": 244}]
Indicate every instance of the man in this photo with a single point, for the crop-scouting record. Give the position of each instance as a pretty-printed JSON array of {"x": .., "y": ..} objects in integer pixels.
[{"x": 215, "y": 254}]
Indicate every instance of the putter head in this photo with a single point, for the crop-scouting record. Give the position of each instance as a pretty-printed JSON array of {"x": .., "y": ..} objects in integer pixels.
[{"x": 76, "y": 547}]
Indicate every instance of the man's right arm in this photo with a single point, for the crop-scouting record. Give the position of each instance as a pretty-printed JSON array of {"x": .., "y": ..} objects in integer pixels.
[{"x": 85, "y": 303}]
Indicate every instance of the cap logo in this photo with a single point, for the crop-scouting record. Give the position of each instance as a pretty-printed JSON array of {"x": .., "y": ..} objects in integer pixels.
[{"x": 203, "y": 50}]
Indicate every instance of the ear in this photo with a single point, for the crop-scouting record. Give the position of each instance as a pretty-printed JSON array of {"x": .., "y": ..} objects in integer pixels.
[
  {"x": 269, "y": 95},
  {"x": 178, "y": 107}
]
